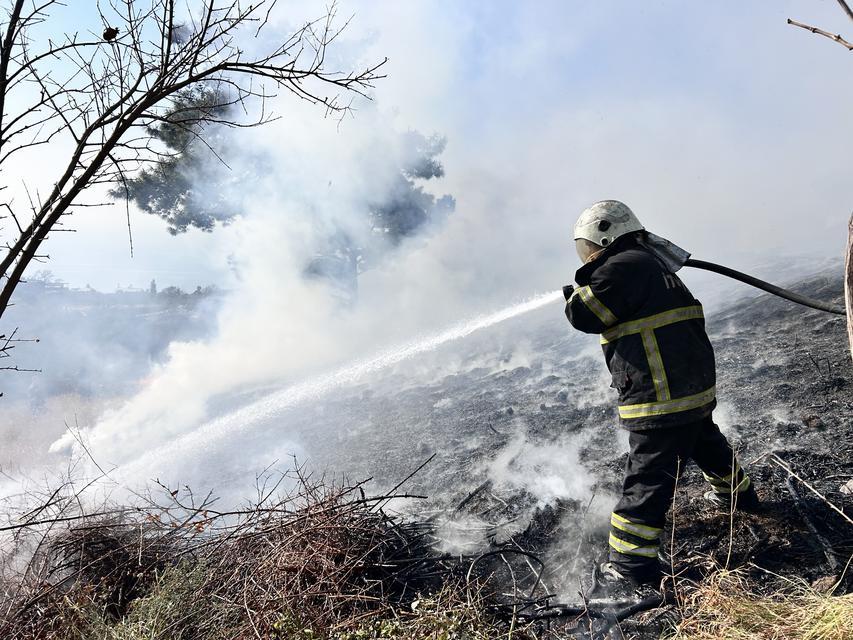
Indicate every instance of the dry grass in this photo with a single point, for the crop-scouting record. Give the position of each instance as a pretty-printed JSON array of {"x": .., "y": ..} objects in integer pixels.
[{"x": 724, "y": 608}]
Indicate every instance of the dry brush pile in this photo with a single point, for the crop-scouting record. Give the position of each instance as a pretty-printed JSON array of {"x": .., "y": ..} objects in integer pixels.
[{"x": 324, "y": 561}]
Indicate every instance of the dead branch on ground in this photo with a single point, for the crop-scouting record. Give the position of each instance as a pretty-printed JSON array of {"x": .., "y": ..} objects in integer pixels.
[{"x": 775, "y": 459}]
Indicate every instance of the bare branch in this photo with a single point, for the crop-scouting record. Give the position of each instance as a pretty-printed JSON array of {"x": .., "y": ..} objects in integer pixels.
[
  {"x": 827, "y": 34},
  {"x": 6, "y": 52},
  {"x": 846, "y": 8}
]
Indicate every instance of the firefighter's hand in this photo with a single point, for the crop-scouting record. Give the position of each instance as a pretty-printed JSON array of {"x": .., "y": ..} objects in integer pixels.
[{"x": 568, "y": 290}]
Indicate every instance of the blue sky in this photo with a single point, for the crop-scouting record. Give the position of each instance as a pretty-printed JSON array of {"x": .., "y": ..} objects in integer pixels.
[{"x": 711, "y": 118}]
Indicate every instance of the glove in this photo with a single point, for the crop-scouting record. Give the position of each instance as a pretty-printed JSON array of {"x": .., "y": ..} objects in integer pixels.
[{"x": 568, "y": 290}]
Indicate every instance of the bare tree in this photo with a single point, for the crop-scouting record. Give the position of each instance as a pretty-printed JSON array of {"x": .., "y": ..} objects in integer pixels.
[
  {"x": 848, "y": 259},
  {"x": 99, "y": 95}
]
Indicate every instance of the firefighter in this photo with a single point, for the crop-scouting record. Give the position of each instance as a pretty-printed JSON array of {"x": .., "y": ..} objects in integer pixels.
[{"x": 653, "y": 335}]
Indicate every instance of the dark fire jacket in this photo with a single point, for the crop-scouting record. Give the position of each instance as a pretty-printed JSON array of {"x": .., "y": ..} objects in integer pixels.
[{"x": 652, "y": 333}]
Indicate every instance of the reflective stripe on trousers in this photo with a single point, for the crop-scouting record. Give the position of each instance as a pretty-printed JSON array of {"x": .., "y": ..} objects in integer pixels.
[
  {"x": 633, "y": 538},
  {"x": 736, "y": 482}
]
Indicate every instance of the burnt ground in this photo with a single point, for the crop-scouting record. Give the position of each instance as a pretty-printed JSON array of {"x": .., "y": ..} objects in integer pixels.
[{"x": 525, "y": 453}]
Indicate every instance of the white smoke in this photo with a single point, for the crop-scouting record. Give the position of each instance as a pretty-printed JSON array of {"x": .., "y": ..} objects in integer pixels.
[
  {"x": 549, "y": 471},
  {"x": 113, "y": 439},
  {"x": 521, "y": 164}
]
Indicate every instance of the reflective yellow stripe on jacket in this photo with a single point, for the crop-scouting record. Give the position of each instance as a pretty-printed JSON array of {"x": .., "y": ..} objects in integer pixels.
[
  {"x": 648, "y": 409},
  {"x": 652, "y": 322},
  {"x": 596, "y": 306},
  {"x": 650, "y": 343},
  {"x": 646, "y": 327}
]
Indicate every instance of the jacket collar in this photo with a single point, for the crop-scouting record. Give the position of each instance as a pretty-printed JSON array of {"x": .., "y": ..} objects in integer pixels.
[{"x": 584, "y": 274}]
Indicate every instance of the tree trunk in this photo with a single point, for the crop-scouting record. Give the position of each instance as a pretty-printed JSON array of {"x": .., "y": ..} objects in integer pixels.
[{"x": 848, "y": 283}]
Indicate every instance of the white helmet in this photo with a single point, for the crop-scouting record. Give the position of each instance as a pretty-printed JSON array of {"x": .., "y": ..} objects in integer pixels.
[{"x": 605, "y": 221}]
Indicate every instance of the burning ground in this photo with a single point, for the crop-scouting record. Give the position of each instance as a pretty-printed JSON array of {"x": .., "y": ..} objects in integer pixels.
[{"x": 523, "y": 462}]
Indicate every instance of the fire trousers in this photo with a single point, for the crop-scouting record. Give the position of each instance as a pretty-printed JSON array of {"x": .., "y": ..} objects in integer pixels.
[{"x": 656, "y": 458}]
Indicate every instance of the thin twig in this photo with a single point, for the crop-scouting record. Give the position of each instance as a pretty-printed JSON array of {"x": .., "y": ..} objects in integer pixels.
[
  {"x": 832, "y": 36},
  {"x": 777, "y": 460},
  {"x": 846, "y": 8}
]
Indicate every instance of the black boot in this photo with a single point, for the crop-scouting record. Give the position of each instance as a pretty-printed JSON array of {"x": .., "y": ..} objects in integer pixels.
[{"x": 620, "y": 584}]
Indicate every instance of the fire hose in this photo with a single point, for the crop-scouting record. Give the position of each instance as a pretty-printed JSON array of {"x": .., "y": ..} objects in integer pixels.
[
  {"x": 674, "y": 257},
  {"x": 766, "y": 286}
]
